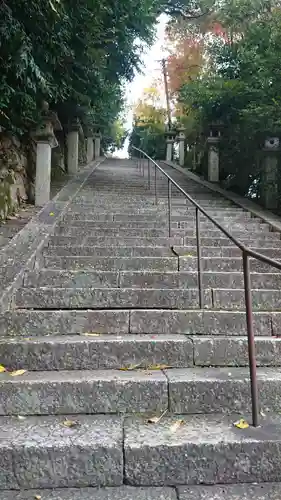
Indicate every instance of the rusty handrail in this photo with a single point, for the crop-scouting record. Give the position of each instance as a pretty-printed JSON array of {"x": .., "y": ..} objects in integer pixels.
[{"x": 246, "y": 253}]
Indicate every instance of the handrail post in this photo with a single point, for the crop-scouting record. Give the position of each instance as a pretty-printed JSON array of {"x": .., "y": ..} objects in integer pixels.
[
  {"x": 199, "y": 260},
  {"x": 142, "y": 164},
  {"x": 148, "y": 172},
  {"x": 251, "y": 339},
  {"x": 155, "y": 184},
  {"x": 169, "y": 206}
]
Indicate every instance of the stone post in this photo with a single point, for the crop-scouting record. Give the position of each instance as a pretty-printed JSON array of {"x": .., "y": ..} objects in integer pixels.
[
  {"x": 269, "y": 173},
  {"x": 46, "y": 140},
  {"x": 169, "y": 150},
  {"x": 181, "y": 139},
  {"x": 97, "y": 144},
  {"x": 213, "y": 159},
  {"x": 73, "y": 148},
  {"x": 90, "y": 149}
]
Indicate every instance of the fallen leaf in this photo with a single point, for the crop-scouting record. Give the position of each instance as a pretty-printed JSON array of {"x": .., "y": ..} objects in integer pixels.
[
  {"x": 70, "y": 423},
  {"x": 51, "y": 214},
  {"x": 2, "y": 369},
  {"x": 241, "y": 424},
  {"x": 130, "y": 367},
  {"x": 156, "y": 420},
  {"x": 158, "y": 367},
  {"x": 188, "y": 255},
  {"x": 174, "y": 427},
  {"x": 17, "y": 373},
  {"x": 37, "y": 497},
  {"x": 92, "y": 334},
  {"x": 21, "y": 417}
]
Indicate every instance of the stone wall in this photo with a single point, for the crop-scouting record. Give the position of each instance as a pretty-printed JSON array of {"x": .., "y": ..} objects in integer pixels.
[{"x": 13, "y": 174}]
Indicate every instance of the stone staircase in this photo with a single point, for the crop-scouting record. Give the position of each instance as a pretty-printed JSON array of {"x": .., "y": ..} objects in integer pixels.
[{"x": 108, "y": 328}]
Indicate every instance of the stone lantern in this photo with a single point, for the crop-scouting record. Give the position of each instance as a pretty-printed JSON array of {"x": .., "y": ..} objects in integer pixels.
[
  {"x": 181, "y": 139},
  {"x": 97, "y": 141},
  {"x": 46, "y": 140},
  {"x": 213, "y": 141},
  {"x": 170, "y": 139},
  {"x": 269, "y": 173},
  {"x": 73, "y": 145},
  {"x": 89, "y": 144}
]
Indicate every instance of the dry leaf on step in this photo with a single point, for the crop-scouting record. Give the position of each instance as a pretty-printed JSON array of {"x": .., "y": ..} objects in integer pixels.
[
  {"x": 241, "y": 424},
  {"x": 21, "y": 417},
  {"x": 91, "y": 334},
  {"x": 129, "y": 367},
  {"x": 156, "y": 420},
  {"x": 70, "y": 423},
  {"x": 2, "y": 369},
  {"x": 17, "y": 373},
  {"x": 37, "y": 497},
  {"x": 51, "y": 214},
  {"x": 176, "y": 425}
]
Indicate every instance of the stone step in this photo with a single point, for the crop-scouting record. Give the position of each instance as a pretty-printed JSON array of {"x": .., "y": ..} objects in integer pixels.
[
  {"x": 263, "y": 300},
  {"x": 81, "y": 232},
  {"x": 146, "y": 279},
  {"x": 112, "y": 298},
  {"x": 227, "y": 264},
  {"x": 26, "y": 323},
  {"x": 107, "y": 251},
  {"x": 263, "y": 491},
  {"x": 215, "y": 390},
  {"x": 69, "y": 241},
  {"x": 233, "y": 351},
  {"x": 157, "y": 216},
  {"x": 181, "y": 390},
  {"x": 203, "y": 449},
  {"x": 41, "y": 452},
  {"x": 96, "y": 352},
  {"x": 111, "y": 493},
  {"x": 83, "y": 392},
  {"x": 150, "y": 225},
  {"x": 113, "y": 263}
]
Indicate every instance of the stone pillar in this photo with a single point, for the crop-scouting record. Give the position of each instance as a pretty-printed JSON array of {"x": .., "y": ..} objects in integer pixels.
[
  {"x": 97, "y": 145},
  {"x": 269, "y": 173},
  {"x": 90, "y": 149},
  {"x": 169, "y": 150},
  {"x": 73, "y": 148},
  {"x": 46, "y": 140},
  {"x": 181, "y": 139},
  {"x": 213, "y": 159}
]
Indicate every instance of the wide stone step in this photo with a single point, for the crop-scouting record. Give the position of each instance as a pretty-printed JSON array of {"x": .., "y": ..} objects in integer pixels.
[
  {"x": 83, "y": 392},
  {"x": 113, "y": 263},
  {"x": 201, "y": 449},
  {"x": 113, "y": 493},
  {"x": 182, "y": 390},
  {"x": 263, "y": 300},
  {"x": 227, "y": 264},
  {"x": 215, "y": 390},
  {"x": 96, "y": 352},
  {"x": 69, "y": 241},
  {"x": 147, "y": 279},
  {"x": 233, "y": 351},
  {"x": 157, "y": 216},
  {"x": 107, "y": 251},
  {"x": 111, "y": 298},
  {"x": 26, "y": 323},
  {"x": 41, "y": 452},
  {"x": 263, "y": 491}
]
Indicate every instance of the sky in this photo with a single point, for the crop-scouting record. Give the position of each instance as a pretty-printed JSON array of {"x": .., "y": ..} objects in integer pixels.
[{"x": 150, "y": 70}]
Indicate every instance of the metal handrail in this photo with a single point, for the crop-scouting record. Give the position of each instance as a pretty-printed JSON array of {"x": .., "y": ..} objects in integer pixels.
[{"x": 246, "y": 253}]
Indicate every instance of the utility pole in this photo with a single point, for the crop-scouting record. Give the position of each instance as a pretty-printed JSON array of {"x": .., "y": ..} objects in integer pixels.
[{"x": 164, "y": 69}]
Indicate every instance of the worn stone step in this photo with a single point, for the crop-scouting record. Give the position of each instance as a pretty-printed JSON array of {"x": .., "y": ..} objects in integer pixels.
[
  {"x": 83, "y": 392},
  {"x": 111, "y": 298},
  {"x": 215, "y": 390},
  {"x": 233, "y": 351},
  {"x": 69, "y": 241},
  {"x": 113, "y": 263},
  {"x": 107, "y": 251},
  {"x": 204, "y": 449},
  {"x": 156, "y": 216},
  {"x": 26, "y": 323},
  {"x": 263, "y": 491},
  {"x": 227, "y": 264},
  {"x": 273, "y": 253},
  {"x": 71, "y": 279},
  {"x": 263, "y": 300},
  {"x": 40, "y": 452},
  {"x": 112, "y": 493},
  {"x": 96, "y": 352},
  {"x": 150, "y": 225},
  {"x": 146, "y": 279}
]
